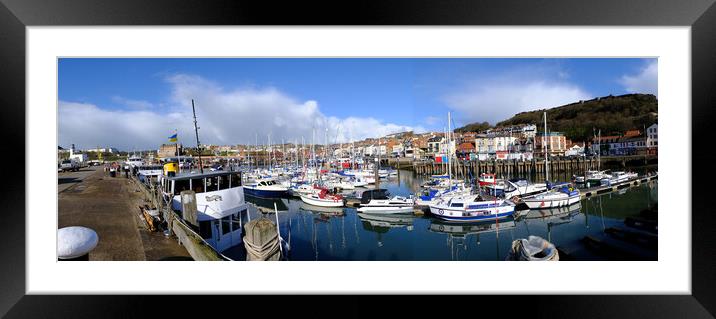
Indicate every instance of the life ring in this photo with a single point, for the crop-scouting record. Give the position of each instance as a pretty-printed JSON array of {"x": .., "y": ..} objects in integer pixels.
[
  {"x": 441, "y": 227},
  {"x": 441, "y": 212}
]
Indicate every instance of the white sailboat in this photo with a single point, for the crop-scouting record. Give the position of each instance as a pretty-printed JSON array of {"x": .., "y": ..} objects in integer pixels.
[{"x": 559, "y": 195}]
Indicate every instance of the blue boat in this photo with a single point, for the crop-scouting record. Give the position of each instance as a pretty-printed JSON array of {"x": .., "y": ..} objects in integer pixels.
[{"x": 266, "y": 188}]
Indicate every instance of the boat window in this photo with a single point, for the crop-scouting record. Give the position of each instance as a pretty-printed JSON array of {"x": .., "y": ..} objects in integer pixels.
[
  {"x": 181, "y": 185},
  {"x": 236, "y": 221},
  {"x": 212, "y": 184},
  {"x": 456, "y": 205},
  {"x": 235, "y": 180},
  {"x": 197, "y": 184},
  {"x": 205, "y": 229},
  {"x": 226, "y": 225},
  {"x": 224, "y": 182}
]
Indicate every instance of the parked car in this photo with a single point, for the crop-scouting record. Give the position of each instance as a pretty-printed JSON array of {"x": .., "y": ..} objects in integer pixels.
[{"x": 69, "y": 165}]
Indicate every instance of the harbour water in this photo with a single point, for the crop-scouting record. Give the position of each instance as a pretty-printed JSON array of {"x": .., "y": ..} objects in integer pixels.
[{"x": 343, "y": 234}]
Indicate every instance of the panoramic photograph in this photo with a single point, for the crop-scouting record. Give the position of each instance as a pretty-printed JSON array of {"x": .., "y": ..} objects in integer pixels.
[{"x": 357, "y": 159}]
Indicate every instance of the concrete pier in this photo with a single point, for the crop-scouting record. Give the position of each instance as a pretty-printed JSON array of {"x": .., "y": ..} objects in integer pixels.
[{"x": 110, "y": 206}]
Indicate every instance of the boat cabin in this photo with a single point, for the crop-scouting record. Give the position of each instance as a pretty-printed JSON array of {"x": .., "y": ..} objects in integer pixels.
[
  {"x": 371, "y": 194},
  {"x": 220, "y": 204}
]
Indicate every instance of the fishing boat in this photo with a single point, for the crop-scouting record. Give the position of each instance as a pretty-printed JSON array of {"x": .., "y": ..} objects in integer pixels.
[
  {"x": 472, "y": 208},
  {"x": 487, "y": 179},
  {"x": 219, "y": 201},
  {"x": 266, "y": 188},
  {"x": 322, "y": 198},
  {"x": 380, "y": 201},
  {"x": 135, "y": 161},
  {"x": 559, "y": 196}
]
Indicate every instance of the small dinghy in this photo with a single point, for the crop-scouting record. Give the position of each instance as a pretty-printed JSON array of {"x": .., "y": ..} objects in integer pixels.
[{"x": 533, "y": 248}]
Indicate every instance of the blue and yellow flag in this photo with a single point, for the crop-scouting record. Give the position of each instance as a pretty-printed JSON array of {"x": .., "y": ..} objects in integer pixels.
[{"x": 173, "y": 138}]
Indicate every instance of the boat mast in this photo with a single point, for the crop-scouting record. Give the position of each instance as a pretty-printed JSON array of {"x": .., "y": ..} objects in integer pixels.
[
  {"x": 449, "y": 155},
  {"x": 196, "y": 130},
  {"x": 599, "y": 155},
  {"x": 546, "y": 149}
]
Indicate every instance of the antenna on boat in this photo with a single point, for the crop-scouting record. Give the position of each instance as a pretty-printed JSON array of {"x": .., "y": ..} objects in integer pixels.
[{"x": 196, "y": 130}]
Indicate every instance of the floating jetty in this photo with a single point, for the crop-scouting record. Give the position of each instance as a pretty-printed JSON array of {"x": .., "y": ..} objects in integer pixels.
[
  {"x": 598, "y": 190},
  {"x": 462, "y": 168}
]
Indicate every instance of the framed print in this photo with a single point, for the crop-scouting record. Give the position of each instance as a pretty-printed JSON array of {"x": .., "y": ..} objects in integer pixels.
[{"x": 392, "y": 149}]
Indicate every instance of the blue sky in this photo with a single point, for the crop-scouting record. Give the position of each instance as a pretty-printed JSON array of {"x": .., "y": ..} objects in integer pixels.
[{"x": 126, "y": 102}]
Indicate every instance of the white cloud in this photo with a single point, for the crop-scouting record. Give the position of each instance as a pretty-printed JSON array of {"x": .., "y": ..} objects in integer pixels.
[
  {"x": 498, "y": 99},
  {"x": 225, "y": 116},
  {"x": 89, "y": 126},
  {"x": 134, "y": 104},
  {"x": 645, "y": 81},
  {"x": 432, "y": 120}
]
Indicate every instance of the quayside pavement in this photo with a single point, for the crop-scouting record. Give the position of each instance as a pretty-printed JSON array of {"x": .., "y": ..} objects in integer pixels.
[{"x": 110, "y": 206}]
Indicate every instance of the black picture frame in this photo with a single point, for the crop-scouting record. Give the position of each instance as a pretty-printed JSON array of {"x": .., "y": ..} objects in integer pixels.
[{"x": 15, "y": 15}]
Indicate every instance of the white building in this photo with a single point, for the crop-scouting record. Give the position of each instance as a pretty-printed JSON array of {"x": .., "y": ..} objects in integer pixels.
[
  {"x": 374, "y": 150},
  {"x": 79, "y": 157},
  {"x": 103, "y": 150},
  {"x": 575, "y": 150},
  {"x": 652, "y": 136}
]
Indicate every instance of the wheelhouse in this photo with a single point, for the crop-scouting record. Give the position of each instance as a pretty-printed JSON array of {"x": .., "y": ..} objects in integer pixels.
[
  {"x": 220, "y": 204},
  {"x": 201, "y": 183}
]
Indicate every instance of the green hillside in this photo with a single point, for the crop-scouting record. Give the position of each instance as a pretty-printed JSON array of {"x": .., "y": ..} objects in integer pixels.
[{"x": 611, "y": 114}]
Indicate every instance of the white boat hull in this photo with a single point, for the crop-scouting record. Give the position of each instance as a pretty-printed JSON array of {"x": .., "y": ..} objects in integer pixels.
[
  {"x": 551, "y": 203},
  {"x": 315, "y": 201},
  {"x": 386, "y": 209}
]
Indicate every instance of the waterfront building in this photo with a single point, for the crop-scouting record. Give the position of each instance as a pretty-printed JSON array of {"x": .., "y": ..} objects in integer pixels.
[
  {"x": 556, "y": 144},
  {"x": 652, "y": 139},
  {"x": 434, "y": 144},
  {"x": 103, "y": 150},
  {"x": 169, "y": 150}
]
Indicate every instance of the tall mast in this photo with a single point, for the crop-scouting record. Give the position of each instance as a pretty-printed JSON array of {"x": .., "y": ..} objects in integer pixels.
[
  {"x": 449, "y": 146},
  {"x": 196, "y": 130},
  {"x": 546, "y": 149}
]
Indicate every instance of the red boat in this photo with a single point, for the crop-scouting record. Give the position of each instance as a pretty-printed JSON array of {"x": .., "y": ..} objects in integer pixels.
[{"x": 487, "y": 179}]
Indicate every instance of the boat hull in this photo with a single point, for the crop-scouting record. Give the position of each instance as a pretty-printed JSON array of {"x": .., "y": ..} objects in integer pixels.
[
  {"x": 471, "y": 216},
  {"x": 551, "y": 203},
  {"x": 263, "y": 193},
  {"x": 322, "y": 202},
  {"x": 386, "y": 209}
]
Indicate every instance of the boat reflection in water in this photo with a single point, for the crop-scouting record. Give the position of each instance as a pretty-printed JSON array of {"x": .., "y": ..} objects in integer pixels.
[
  {"x": 266, "y": 205},
  {"x": 549, "y": 214},
  {"x": 457, "y": 233},
  {"x": 382, "y": 223},
  {"x": 329, "y": 211},
  {"x": 552, "y": 217}
]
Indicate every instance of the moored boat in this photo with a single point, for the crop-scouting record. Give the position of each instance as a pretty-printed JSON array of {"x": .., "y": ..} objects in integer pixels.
[
  {"x": 219, "y": 201},
  {"x": 380, "y": 201},
  {"x": 472, "y": 208},
  {"x": 322, "y": 198},
  {"x": 558, "y": 196},
  {"x": 266, "y": 188}
]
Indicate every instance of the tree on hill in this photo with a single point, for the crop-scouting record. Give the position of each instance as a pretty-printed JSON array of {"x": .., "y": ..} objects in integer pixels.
[{"x": 611, "y": 114}]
